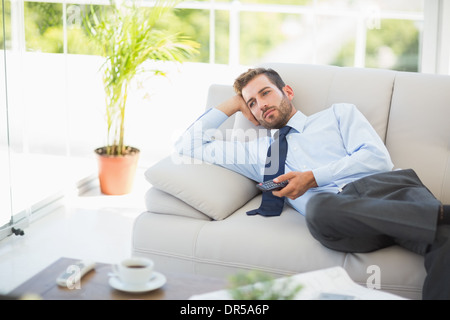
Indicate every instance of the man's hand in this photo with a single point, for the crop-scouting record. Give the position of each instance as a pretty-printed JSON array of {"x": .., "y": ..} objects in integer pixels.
[
  {"x": 235, "y": 104},
  {"x": 299, "y": 183}
]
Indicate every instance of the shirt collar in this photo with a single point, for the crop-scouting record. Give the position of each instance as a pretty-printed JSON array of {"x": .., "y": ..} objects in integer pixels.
[{"x": 296, "y": 122}]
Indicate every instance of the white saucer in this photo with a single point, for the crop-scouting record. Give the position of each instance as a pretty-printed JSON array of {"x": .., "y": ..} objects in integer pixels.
[{"x": 157, "y": 281}]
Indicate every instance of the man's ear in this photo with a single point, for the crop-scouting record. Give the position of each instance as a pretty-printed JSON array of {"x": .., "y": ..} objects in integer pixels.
[{"x": 289, "y": 92}]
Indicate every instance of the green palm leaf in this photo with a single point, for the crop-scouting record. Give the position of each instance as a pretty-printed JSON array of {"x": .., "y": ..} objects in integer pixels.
[{"x": 127, "y": 37}]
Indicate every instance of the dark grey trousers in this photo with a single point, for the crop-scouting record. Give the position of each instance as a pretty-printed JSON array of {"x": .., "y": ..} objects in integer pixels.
[{"x": 382, "y": 210}]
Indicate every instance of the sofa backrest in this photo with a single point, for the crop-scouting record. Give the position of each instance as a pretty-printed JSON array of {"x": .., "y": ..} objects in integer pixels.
[
  {"x": 409, "y": 111},
  {"x": 418, "y": 133}
]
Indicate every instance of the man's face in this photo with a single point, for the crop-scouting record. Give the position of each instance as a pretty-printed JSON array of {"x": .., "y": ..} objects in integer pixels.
[{"x": 270, "y": 106}]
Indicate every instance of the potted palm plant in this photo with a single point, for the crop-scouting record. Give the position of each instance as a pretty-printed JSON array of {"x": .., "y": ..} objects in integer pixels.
[{"x": 128, "y": 36}]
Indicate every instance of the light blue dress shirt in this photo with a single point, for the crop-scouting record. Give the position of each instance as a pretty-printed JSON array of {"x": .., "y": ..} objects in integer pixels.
[{"x": 337, "y": 144}]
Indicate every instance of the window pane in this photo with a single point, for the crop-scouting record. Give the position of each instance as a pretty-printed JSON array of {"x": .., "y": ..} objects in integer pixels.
[
  {"x": 77, "y": 36},
  {"x": 43, "y": 27},
  {"x": 263, "y": 34},
  {"x": 395, "y": 45},
  {"x": 331, "y": 34},
  {"x": 194, "y": 24},
  {"x": 222, "y": 46},
  {"x": 39, "y": 92},
  {"x": 5, "y": 21},
  {"x": 334, "y": 41},
  {"x": 297, "y": 39}
]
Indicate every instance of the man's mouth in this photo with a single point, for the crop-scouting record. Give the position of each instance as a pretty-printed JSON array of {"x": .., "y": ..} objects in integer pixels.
[{"x": 268, "y": 113}]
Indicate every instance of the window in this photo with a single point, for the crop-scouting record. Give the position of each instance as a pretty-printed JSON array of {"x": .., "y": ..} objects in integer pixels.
[{"x": 247, "y": 32}]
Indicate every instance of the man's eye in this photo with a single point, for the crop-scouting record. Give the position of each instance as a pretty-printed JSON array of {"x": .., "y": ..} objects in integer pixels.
[
  {"x": 251, "y": 104},
  {"x": 265, "y": 93}
]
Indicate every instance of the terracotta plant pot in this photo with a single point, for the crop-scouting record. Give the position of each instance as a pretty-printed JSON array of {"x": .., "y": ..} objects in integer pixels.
[{"x": 116, "y": 173}]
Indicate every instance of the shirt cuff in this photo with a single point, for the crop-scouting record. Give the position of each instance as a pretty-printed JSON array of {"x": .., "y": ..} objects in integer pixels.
[{"x": 323, "y": 176}]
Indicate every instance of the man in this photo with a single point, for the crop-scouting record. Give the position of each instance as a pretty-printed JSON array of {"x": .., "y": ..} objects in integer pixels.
[{"x": 339, "y": 175}]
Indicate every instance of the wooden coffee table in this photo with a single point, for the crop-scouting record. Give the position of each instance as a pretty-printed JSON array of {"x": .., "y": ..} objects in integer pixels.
[{"x": 95, "y": 285}]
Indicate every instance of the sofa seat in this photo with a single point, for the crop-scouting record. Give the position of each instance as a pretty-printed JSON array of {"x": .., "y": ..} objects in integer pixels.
[{"x": 222, "y": 248}]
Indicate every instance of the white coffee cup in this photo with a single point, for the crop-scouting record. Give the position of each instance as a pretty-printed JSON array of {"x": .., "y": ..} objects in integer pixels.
[{"x": 134, "y": 271}]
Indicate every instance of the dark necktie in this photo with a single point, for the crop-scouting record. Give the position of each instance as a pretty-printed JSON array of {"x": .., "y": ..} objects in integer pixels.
[{"x": 275, "y": 162}]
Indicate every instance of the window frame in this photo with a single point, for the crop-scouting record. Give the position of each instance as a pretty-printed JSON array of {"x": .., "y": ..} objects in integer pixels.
[{"x": 435, "y": 45}]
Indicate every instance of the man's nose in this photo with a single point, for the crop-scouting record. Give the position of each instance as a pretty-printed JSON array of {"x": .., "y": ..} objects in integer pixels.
[{"x": 262, "y": 104}]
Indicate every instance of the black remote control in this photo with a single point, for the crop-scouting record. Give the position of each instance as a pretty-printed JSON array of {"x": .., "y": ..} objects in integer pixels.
[{"x": 270, "y": 185}]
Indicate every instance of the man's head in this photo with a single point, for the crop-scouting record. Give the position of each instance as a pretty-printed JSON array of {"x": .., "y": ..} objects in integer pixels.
[
  {"x": 249, "y": 75},
  {"x": 267, "y": 96}
]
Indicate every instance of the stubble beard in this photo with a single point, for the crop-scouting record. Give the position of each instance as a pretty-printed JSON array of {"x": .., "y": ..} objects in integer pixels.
[{"x": 284, "y": 112}]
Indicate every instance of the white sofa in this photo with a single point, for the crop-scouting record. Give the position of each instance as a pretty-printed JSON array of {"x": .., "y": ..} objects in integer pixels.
[{"x": 196, "y": 218}]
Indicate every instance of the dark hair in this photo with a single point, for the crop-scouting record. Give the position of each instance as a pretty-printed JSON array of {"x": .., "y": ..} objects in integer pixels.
[{"x": 250, "y": 74}]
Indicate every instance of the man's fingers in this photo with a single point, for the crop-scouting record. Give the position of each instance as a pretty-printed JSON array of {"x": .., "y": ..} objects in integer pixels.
[
  {"x": 283, "y": 192},
  {"x": 283, "y": 177}
]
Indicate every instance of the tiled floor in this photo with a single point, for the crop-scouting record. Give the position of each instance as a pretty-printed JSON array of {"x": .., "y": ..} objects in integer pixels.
[{"x": 91, "y": 226}]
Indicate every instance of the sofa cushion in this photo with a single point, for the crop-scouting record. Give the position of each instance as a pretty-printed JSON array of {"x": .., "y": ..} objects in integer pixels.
[
  {"x": 158, "y": 201},
  {"x": 213, "y": 190}
]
